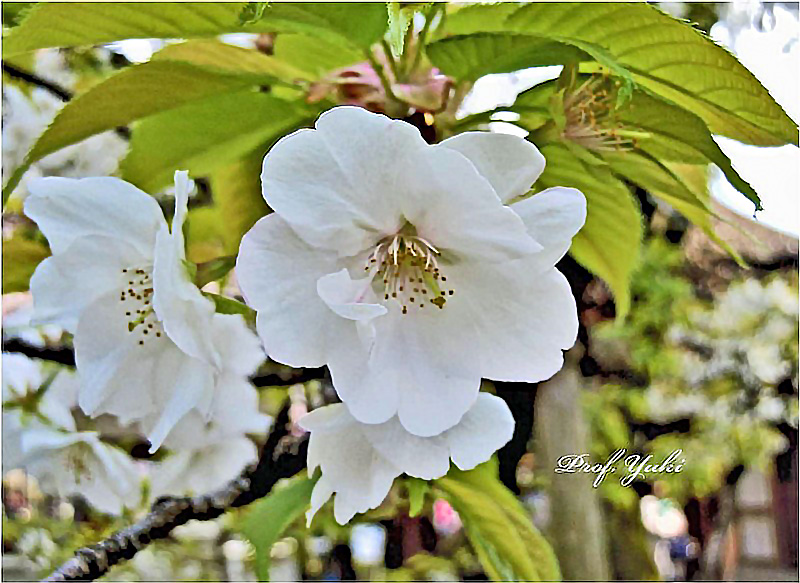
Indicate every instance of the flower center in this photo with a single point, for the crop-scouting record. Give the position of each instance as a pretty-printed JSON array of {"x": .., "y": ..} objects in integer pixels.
[
  {"x": 136, "y": 300},
  {"x": 408, "y": 267},
  {"x": 75, "y": 462},
  {"x": 591, "y": 121}
]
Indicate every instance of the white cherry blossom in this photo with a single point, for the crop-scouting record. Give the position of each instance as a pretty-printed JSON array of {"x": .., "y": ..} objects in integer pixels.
[
  {"x": 402, "y": 267},
  {"x": 148, "y": 344},
  {"x": 206, "y": 454},
  {"x": 65, "y": 461},
  {"x": 360, "y": 461}
]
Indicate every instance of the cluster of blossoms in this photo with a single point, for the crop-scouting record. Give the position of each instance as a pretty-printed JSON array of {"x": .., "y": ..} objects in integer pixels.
[
  {"x": 402, "y": 266},
  {"x": 25, "y": 117},
  {"x": 150, "y": 348},
  {"x": 425, "y": 89},
  {"x": 736, "y": 377},
  {"x": 750, "y": 337}
]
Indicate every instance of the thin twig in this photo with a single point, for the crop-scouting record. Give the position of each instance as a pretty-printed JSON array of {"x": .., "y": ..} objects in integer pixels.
[
  {"x": 63, "y": 94},
  {"x": 282, "y": 456},
  {"x": 379, "y": 70},
  {"x": 33, "y": 79}
]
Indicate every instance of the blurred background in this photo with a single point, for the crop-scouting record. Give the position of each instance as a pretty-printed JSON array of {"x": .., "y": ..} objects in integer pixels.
[{"x": 706, "y": 362}]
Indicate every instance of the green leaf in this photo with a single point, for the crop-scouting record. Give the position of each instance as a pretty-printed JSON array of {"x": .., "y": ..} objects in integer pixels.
[
  {"x": 316, "y": 56},
  {"x": 399, "y": 21},
  {"x": 134, "y": 93},
  {"x": 225, "y": 305},
  {"x": 192, "y": 138},
  {"x": 213, "y": 269},
  {"x": 237, "y": 193},
  {"x": 473, "y": 56},
  {"x": 21, "y": 256},
  {"x": 671, "y": 59},
  {"x": 72, "y": 24},
  {"x": 473, "y": 18},
  {"x": 608, "y": 244},
  {"x": 360, "y": 24},
  {"x": 665, "y": 132},
  {"x": 417, "y": 490},
  {"x": 252, "y": 12},
  {"x": 265, "y": 520},
  {"x": 509, "y": 547},
  {"x": 225, "y": 58},
  {"x": 678, "y": 135}
]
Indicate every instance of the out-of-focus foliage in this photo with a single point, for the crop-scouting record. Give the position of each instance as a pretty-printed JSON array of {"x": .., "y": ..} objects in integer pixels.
[
  {"x": 728, "y": 367},
  {"x": 509, "y": 547},
  {"x": 267, "y": 518}
]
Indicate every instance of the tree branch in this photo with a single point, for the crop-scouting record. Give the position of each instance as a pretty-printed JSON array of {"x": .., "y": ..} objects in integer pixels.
[
  {"x": 59, "y": 354},
  {"x": 17, "y": 73},
  {"x": 282, "y": 456},
  {"x": 63, "y": 94},
  {"x": 63, "y": 355}
]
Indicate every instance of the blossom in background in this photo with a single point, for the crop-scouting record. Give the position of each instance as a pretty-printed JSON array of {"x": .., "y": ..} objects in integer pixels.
[
  {"x": 40, "y": 435},
  {"x": 359, "y": 84},
  {"x": 400, "y": 266},
  {"x": 359, "y": 461},
  {"x": 148, "y": 345},
  {"x": 26, "y": 116}
]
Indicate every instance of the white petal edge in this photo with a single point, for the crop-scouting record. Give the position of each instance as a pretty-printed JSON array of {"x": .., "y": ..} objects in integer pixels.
[
  {"x": 67, "y": 208},
  {"x": 510, "y": 164}
]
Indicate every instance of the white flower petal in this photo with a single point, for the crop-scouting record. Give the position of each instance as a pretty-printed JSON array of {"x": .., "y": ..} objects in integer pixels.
[
  {"x": 238, "y": 347},
  {"x": 322, "y": 492},
  {"x": 511, "y": 165},
  {"x": 183, "y": 187},
  {"x": 64, "y": 284},
  {"x": 21, "y": 375},
  {"x": 202, "y": 470},
  {"x": 185, "y": 314},
  {"x": 330, "y": 184},
  {"x": 451, "y": 205},
  {"x": 484, "y": 429},
  {"x": 351, "y": 468},
  {"x": 349, "y": 298},
  {"x": 422, "y": 457},
  {"x": 360, "y": 461},
  {"x": 66, "y": 209},
  {"x": 278, "y": 272},
  {"x": 110, "y": 361},
  {"x": 59, "y": 399},
  {"x": 553, "y": 217},
  {"x": 524, "y": 317},
  {"x": 135, "y": 381},
  {"x": 105, "y": 475},
  {"x": 187, "y": 387},
  {"x": 424, "y": 366}
]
